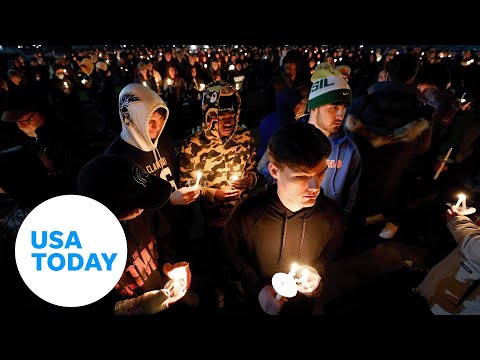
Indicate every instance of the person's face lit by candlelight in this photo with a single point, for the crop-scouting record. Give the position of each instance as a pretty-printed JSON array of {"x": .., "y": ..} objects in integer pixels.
[
  {"x": 298, "y": 188},
  {"x": 30, "y": 122},
  {"x": 226, "y": 123},
  {"x": 156, "y": 123}
]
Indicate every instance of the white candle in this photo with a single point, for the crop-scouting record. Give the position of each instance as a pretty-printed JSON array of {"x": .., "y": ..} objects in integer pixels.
[
  {"x": 461, "y": 200},
  {"x": 284, "y": 285},
  {"x": 435, "y": 177},
  {"x": 293, "y": 268},
  {"x": 66, "y": 84},
  {"x": 199, "y": 176}
]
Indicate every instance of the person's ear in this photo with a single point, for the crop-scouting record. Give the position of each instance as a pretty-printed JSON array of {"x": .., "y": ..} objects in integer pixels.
[{"x": 274, "y": 170}]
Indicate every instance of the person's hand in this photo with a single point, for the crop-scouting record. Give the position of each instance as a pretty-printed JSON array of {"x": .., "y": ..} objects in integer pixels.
[
  {"x": 244, "y": 182},
  {"x": 437, "y": 166},
  {"x": 154, "y": 301},
  {"x": 451, "y": 213},
  {"x": 227, "y": 194},
  {"x": 269, "y": 302},
  {"x": 466, "y": 106},
  {"x": 179, "y": 271},
  {"x": 185, "y": 195}
]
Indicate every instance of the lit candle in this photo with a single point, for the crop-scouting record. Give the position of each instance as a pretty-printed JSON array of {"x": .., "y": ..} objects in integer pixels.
[
  {"x": 199, "y": 176},
  {"x": 293, "y": 268},
  {"x": 308, "y": 280},
  {"x": 462, "y": 201},
  {"x": 284, "y": 285},
  {"x": 169, "y": 81},
  {"x": 232, "y": 178},
  {"x": 177, "y": 284},
  {"x": 65, "y": 84},
  {"x": 144, "y": 83},
  {"x": 84, "y": 81}
]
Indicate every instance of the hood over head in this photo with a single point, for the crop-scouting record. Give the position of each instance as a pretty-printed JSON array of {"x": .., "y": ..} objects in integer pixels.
[
  {"x": 136, "y": 104},
  {"x": 218, "y": 96}
]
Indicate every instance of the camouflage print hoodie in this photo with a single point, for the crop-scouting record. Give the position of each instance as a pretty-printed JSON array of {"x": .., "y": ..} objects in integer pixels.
[{"x": 218, "y": 159}]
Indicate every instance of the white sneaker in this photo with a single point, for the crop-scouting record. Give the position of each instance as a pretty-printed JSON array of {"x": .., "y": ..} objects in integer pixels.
[
  {"x": 375, "y": 219},
  {"x": 389, "y": 231}
]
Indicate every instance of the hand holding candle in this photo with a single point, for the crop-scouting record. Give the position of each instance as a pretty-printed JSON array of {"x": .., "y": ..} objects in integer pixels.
[
  {"x": 284, "y": 284},
  {"x": 461, "y": 206},
  {"x": 306, "y": 278},
  {"x": 180, "y": 278},
  {"x": 242, "y": 182}
]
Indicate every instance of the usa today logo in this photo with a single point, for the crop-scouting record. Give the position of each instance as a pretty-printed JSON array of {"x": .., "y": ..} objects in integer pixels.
[{"x": 71, "y": 250}]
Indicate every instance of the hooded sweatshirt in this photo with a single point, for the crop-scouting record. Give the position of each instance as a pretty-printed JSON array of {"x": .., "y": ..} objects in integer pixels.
[
  {"x": 286, "y": 100},
  {"x": 343, "y": 173},
  {"x": 217, "y": 159},
  {"x": 263, "y": 237},
  {"x": 136, "y": 105},
  {"x": 157, "y": 156}
]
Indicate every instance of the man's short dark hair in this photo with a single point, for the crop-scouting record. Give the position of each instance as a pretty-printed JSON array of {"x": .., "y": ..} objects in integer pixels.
[
  {"x": 298, "y": 146},
  {"x": 403, "y": 67}
]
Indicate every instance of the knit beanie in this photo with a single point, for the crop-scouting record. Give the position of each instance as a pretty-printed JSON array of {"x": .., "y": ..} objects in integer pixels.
[{"x": 328, "y": 87}]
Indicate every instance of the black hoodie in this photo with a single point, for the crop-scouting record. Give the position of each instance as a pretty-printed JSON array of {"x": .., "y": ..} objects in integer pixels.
[{"x": 262, "y": 237}]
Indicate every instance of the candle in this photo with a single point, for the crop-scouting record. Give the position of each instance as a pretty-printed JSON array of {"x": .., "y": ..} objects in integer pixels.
[
  {"x": 445, "y": 159},
  {"x": 144, "y": 83},
  {"x": 308, "y": 279},
  {"x": 199, "y": 176},
  {"x": 461, "y": 201},
  {"x": 284, "y": 285},
  {"x": 169, "y": 81},
  {"x": 177, "y": 283},
  {"x": 293, "y": 269}
]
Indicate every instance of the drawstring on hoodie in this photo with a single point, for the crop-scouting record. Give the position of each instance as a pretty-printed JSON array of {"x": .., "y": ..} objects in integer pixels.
[
  {"x": 283, "y": 236},
  {"x": 304, "y": 225}
]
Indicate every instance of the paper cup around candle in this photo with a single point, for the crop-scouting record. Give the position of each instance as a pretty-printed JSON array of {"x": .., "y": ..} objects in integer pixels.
[
  {"x": 306, "y": 279},
  {"x": 176, "y": 287},
  {"x": 284, "y": 285}
]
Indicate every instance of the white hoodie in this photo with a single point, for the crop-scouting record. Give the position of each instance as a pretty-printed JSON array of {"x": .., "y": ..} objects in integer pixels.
[{"x": 136, "y": 104}]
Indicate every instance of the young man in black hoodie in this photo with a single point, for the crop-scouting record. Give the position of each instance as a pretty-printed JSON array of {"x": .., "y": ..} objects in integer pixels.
[
  {"x": 144, "y": 115},
  {"x": 289, "y": 222}
]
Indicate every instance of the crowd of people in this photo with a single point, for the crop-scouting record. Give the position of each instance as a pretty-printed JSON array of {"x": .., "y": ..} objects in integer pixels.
[{"x": 256, "y": 158}]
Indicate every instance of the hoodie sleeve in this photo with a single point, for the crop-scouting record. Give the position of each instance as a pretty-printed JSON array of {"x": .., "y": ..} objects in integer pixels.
[
  {"x": 187, "y": 163},
  {"x": 252, "y": 160},
  {"x": 467, "y": 236},
  {"x": 351, "y": 184},
  {"x": 331, "y": 250},
  {"x": 233, "y": 243}
]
